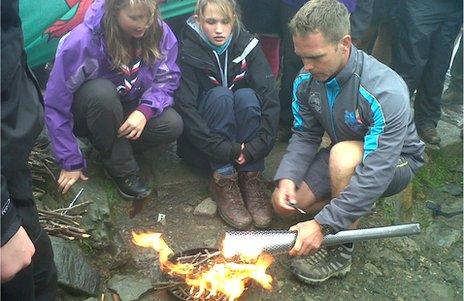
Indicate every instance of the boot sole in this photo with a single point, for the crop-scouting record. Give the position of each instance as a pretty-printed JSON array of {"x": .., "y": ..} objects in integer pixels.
[
  {"x": 338, "y": 274},
  {"x": 131, "y": 197},
  {"x": 224, "y": 218}
]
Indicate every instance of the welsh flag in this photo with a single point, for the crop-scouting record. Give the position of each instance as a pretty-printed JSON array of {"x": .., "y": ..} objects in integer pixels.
[{"x": 45, "y": 22}]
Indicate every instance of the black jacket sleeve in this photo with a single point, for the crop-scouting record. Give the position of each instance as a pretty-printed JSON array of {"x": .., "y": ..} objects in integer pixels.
[
  {"x": 21, "y": 120},
  {"x": 10, "y": 219},
  {"x": 216, "y": 147},
  {"x": 262, "y": 81}
]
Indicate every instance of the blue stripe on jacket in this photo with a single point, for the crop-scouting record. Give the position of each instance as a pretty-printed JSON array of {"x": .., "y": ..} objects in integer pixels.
[
  {"x": 371, "y": 140},
  {"x": 298, "y": 120}
]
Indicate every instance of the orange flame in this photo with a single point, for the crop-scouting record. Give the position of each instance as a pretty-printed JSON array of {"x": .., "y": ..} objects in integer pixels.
[{"x": 226, "y": 277}]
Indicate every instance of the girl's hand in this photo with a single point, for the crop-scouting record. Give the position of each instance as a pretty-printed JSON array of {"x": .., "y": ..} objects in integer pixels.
[
  {"x": 133, "y": 126},
  {"x": 68, "y": 178}
]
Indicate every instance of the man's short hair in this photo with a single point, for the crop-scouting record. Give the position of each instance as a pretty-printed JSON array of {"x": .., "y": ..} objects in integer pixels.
[{"x": 329, "y": 17}]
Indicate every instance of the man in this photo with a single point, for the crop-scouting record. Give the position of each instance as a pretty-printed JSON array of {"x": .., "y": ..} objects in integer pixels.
[
  {"x": 27, "y": 268},
  {"x": 421, "y": 54},
  {"x": 364, "y": 108}
]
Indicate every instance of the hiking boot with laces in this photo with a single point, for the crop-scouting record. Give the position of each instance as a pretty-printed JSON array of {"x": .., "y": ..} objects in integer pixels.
[
  {"x": 132, "y": 187},
  {"x": 324, "y": 264},
  {"x": 429, "y": 134},
  {"x": 225, "y": 192},
  {"x": 252, "y": 188}
]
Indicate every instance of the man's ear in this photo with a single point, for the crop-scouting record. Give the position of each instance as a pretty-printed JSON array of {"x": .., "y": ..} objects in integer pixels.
[{"x": 345, "y": 43}]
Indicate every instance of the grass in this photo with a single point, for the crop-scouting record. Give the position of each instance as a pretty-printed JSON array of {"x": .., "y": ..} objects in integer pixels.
[{"x": 443, "y": 166}]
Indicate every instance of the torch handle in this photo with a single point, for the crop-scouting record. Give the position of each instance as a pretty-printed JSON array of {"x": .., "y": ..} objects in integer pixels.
[{"x": 370, "y": 233}]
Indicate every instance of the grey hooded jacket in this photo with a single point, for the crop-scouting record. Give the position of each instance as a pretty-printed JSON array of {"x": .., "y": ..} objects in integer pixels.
[{"x": 368, "y": 102}]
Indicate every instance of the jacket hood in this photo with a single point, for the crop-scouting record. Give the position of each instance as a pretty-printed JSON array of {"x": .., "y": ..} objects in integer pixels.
[{"x": 94, "y": 15}]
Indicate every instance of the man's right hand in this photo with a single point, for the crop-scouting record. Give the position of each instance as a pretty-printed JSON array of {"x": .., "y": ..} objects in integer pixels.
[
  {"x": 16, "y": 254},
  {"x": 68, "y": 178},
  {"x": 283, "y": 194}
]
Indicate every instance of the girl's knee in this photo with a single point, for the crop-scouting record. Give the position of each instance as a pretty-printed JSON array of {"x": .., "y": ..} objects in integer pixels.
[{"x": 245, "y": 98}]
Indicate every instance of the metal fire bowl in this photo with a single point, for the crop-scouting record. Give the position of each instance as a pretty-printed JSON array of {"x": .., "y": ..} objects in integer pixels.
[{"x": 181, "y": 292}]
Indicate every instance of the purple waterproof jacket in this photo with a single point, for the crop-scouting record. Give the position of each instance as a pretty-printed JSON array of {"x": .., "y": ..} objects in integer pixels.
[
  {"x": 81, "y": 56},
  {"x": 297, "y": 4}
]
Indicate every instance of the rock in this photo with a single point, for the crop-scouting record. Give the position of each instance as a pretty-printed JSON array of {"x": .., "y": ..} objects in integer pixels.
[
  {"x": 405, "y": 245},
  {"x": 453, "y": 271},
  {"x": 128, "y": 287},
  {"x": 74, "y": 272},
  {"x": 449, "y": 134},
  {"x": 209, "y": 243},
  {"x": 452, "y": 188},
  {"x": 207, "y": 207},
  {"x": 372, "y": 269},
  {"x": 390, "y": 256},
  {"x": 440, "y": 291},
  {"x": 439, "y": 234},
  {"x": 188, "y": 209}
]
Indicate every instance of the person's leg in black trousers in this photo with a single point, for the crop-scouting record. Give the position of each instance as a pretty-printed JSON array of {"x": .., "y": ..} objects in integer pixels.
[
  {"x": 98, "y": 114},
  {"x": 291, "y": 65},
  {"x": 422, "y": 50}
]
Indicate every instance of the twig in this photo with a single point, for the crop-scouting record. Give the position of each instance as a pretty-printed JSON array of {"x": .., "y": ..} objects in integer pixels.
[
  {"x": 208, "y": 257},
  {"x": 50, "y": 172},
  {"x": 74, "y": 200},
  {"x": 73, "y": 207}
]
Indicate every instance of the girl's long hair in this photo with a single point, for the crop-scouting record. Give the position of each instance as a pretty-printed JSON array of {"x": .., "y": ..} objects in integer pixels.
[{"x": 118, "y": 47}]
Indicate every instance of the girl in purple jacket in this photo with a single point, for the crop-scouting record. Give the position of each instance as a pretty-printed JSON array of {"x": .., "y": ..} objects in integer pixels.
[{"x": 113, "y": 82}]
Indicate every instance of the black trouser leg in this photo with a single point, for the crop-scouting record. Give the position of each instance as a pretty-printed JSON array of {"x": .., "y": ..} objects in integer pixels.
[
  {"x": 427, "y": 106},
  {"x": 425, "y": 34},
  {"x": 162, "y": 129},
  {"x": 98, "y": 114},
  {"x": 291, "y": 65}
]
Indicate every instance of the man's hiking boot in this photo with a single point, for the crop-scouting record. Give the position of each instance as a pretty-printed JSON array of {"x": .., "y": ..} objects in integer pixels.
[
  {"x": 252, "y": 188},
  {"x": 429, "y": 134},
  {"x": 225, "y": 192},
  {"x": 325, "y": 263},
  {"x": 131, "y": 187}
]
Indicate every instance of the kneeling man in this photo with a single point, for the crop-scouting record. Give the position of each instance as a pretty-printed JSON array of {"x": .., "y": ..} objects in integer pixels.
[{"x": 364, "y": 107}]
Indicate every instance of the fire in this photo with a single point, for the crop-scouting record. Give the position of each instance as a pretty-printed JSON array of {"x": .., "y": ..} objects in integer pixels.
[{"x": 224, "y": 276}]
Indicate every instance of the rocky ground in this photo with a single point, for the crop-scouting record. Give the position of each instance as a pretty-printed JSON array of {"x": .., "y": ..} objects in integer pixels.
[{"x": 108, "y": 266}]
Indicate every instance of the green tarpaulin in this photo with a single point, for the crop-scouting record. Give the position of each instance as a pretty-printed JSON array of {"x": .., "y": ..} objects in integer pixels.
[{"x": 45, "y": 22}]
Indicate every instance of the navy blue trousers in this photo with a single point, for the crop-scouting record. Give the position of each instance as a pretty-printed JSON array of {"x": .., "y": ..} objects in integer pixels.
[{"x": 235, "y": 115}]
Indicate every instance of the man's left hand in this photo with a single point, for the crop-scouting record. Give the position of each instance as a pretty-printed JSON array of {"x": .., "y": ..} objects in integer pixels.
[
  {"x": 133, "y": 127},
  {"x": 309, "y": 238}
]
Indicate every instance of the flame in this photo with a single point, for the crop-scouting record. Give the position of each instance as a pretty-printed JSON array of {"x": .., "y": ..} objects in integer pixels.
[{"x": 226, "y": 277}]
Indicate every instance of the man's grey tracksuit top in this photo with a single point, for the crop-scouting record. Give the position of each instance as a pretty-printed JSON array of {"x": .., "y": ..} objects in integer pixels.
[{"x": 366, "y": 101}]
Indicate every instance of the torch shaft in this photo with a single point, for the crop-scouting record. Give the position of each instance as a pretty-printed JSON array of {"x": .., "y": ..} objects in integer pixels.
[{"x": 370, "y": 233}]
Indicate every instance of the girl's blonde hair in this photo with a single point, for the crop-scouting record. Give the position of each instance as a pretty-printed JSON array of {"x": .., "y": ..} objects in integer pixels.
[
  {"x": 228, "y": 8},
  {"x": 118, "y": 47}
]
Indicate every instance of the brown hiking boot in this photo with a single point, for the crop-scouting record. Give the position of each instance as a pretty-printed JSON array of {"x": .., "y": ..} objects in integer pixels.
[
  {"x": 252, "y": 188},
  {"x": 429, "y": 134},
  {"x": 226, "y": 194}
]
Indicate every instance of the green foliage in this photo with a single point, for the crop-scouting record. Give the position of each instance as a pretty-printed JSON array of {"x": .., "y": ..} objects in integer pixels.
[{"x": 443, "y": 166}]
